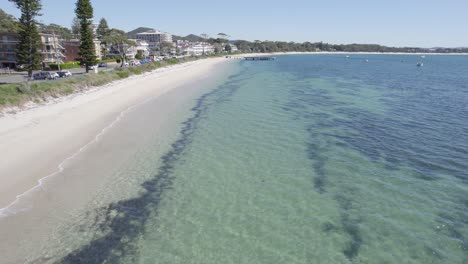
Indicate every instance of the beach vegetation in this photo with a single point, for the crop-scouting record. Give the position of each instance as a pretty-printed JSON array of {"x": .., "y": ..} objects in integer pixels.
[
  {"x": 122, "y": 73},
  {"x": 39, "y": 91},
  {"x": 64, "y": 66}
]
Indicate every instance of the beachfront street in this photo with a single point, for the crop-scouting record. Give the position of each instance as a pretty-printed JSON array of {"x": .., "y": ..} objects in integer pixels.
[{"x": 17, "y": 77}]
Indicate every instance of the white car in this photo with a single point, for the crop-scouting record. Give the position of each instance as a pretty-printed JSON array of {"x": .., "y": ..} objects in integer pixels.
[
  {"x": 134, "y": 62},
  {"x": 54, "y": 75},
  {"x": 64, "y": 74}
]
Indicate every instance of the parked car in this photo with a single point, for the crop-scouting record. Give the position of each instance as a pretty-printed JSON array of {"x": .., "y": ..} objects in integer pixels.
[
  {"x": 54, "y": 75},
  {"x": 134, "y": 62},
  {"x": 64, "y": 74},
  {"x": 45, "y": 76},
  {"x": 102, "y": 64}
]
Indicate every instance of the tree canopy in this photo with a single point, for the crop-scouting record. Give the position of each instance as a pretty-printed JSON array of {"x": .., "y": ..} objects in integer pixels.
[
  {"x": 87, "y": 50},
  {"x": 8, "y": 23},
  {"x": 75, "y": 27},
  {"x": 28, "y": 50},
  {"x": 61, "y": 32},
  {"x": 117, "y": 39},
  {"x": 103, "y": 28}
]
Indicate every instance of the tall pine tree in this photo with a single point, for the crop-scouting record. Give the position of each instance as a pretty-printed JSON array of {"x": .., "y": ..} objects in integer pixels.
[
  {"x": 103, "y": 28},
  {"x": 87, "y": 52},
  {"x": 28, "y": 50}
]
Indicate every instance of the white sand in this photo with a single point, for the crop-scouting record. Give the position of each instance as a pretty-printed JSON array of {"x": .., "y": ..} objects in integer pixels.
[{"x": 37, "y": 142}]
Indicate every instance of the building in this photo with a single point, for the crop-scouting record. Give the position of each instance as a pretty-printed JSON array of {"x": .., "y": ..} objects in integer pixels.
[
  {"x": 94, "y": 28},
  {"x": 8, "y": 43},
  {"x": 51, "y": 49},
  {"x": 72, "y": 46},
  {"x": 195, "y": 48},
  {"x": 154, "y": 36},
  {"x": 142, "y": 47},
  {"x": 234, "y": 48},
  {"x": 71, "y": 49}
]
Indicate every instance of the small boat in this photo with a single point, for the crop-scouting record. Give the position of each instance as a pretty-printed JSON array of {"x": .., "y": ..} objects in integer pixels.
[
  {"x": 347, "y": 56},
  {"x": 423, "y": 56},
  {"x": 419, "y": 64}
]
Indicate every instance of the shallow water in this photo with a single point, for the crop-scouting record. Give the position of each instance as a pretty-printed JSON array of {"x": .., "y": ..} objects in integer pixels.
[{"x": 306, "y": 159}]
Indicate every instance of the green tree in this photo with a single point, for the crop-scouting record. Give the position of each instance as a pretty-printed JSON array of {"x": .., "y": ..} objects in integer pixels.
[
  {"x": 228, "y": 48},
  {"x": 139, "y": 56},
  {"x": 103, "y": 28},
  {"x": 28, "y": 50},
  {"x": 117, "y": 40},
  {"x": 165, "y": 47},
  {"x": 8, "y": 23},
  {"x": 87, "y": 50},
  {"x": 223, "y": 35},
  {"x": 62, "y": 32},
  {"x": 75, "y": 27}
]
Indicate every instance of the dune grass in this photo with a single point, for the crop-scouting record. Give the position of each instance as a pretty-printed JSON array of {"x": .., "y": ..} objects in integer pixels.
[{"x": 18, "y": 94}]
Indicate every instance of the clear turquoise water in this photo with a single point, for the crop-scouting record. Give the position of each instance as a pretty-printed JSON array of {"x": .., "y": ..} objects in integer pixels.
[{"x": 308, "y": 159}]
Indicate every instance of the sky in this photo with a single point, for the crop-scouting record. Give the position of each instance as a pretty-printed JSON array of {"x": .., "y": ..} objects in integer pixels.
[{"x": 398, "y": 23}]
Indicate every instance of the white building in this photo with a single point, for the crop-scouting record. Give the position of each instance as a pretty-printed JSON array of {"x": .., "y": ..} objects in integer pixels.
[
  {"x": 195, "y": 48},
  {"x": 234, "y": 48},
  {"x": 52, "y": 51},
  {"x": 94, "y": 28},
  {"x": 142, "y": 47},
  {"x": 154, "y": 36}
]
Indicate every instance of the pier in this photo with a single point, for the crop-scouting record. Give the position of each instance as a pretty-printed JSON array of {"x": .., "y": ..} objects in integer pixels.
[{"x": 259, "y": 58}]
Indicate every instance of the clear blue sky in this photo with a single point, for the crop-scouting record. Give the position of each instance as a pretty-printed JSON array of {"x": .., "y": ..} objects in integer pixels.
[{"x": 422, "y": 23}]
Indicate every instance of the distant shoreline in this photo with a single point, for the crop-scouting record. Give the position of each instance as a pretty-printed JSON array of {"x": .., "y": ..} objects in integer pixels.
[{"x": 348, "y": 53}]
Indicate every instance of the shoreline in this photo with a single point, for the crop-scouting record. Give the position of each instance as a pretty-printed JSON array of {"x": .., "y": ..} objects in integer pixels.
[
  {"x": 347, "y": 53},
  {"x": 8, "y": 111},
  {"x": 46, "y": 137}
]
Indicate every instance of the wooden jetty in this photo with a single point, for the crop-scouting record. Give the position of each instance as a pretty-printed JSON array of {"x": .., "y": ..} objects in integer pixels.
[{"x": 259, "y": 58}]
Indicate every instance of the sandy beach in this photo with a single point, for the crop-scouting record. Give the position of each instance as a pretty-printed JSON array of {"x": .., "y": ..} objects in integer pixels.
[
  {"x": 39, "y": 141},
  {"x": 71, "y": 156}
]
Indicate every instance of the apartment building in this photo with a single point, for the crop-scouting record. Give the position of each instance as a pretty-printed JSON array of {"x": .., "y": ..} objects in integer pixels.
[
  {"x": 154, "y": 36},
  {"x": 8, "y": 43},
  {"x": 52, "y": 51},
  {"x": 72, "y": 47}
]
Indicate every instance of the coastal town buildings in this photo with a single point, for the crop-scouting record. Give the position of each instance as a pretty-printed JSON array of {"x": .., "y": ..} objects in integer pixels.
[
  {"x": 71, "y": 48},
  {"x": 154, "y": 38},
  {"x": 234, "y": 48},
  {"x": 194, "y": 48},
  {"x": 141, "y": 47},
  {"x": 52, "y": 51},
  {"x": 8, "y": 43}
]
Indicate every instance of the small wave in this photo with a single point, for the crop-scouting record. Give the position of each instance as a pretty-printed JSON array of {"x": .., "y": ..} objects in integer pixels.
[{"x": 8, "y": 210}]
